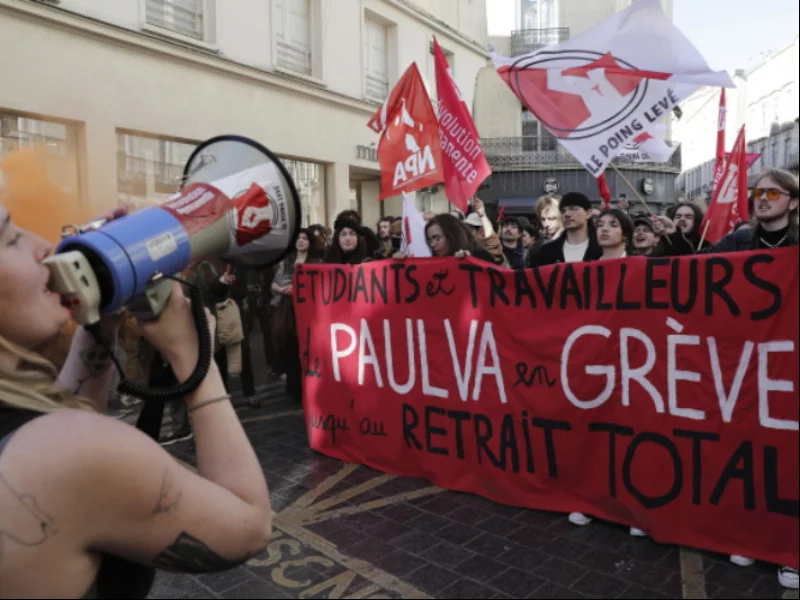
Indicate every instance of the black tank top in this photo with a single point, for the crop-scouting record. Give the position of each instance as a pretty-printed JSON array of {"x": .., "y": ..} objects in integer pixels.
[{"x": 117, "y": 578}]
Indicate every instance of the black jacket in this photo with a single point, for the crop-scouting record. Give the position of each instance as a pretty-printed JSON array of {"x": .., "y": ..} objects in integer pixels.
[
  {"x": 745, "y": 240},
  {"x": 552, "y": 252}
]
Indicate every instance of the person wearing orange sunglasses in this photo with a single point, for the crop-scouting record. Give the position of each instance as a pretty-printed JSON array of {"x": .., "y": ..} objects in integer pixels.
[
  {"x": 774, "y": 206},
  {"x": 774, "y": 216}
]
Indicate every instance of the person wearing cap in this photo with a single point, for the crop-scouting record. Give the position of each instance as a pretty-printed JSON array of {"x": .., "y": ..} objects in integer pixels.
[
  {"x": 578, "y": 244},
  {"x": 513, "y": 249},
  {"x": 655, "y": 237}
]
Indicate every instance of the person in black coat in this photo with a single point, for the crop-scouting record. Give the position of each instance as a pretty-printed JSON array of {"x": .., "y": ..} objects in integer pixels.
[{"x": 578, "y": 242}]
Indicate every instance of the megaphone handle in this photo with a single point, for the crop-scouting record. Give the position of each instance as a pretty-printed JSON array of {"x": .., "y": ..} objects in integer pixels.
[
  {"x": 206, "y": 350},
  {"x": 150, "y": 305}
]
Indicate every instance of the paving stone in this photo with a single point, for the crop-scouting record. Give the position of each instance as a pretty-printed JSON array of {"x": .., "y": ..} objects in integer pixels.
[
  {"x": 517, "y": 584},
  {"x": 458, "y": 534},
  {"x": 597, "y": 585},
  {"x": 399, "y": 563},
  {"x": 432, "y": 579},
  {"x": 465, "y": 589},
  {"x": 481, "y": 569},
  {"x": 447, "y": 555},
  {"x": 560, "y": 571}
]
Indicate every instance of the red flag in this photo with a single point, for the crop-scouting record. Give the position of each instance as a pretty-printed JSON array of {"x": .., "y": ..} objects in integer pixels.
[
  {"x": 409, "y": 150},
  {"x": 605, "y": 192},
  {"x": 722, "y": 158},
  {"x": 465, "y": 165},
  {"x": 729, "y": 203},
  {"x": 752, "y": 157}
]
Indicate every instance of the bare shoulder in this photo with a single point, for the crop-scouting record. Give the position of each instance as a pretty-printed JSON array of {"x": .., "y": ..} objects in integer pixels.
[
  {"x": 68, "y": 440},
  {"x": 104, "y": 486}
]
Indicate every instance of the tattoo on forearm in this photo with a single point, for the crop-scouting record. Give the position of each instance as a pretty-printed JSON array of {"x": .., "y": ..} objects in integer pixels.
[
  {"x": 96, "y": 359},
  {"x": 189, "y": 555},
  {"x": 22, "y": 521},
  {"x": 168, "y": 496}
]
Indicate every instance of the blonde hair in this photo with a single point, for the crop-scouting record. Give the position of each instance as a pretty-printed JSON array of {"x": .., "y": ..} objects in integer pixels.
[
  {"x": 548, "y": 201},
  {"x": 31, "y": 383}
]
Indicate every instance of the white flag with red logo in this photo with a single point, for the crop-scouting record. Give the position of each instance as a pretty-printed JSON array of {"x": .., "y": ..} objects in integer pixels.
[
  {"x": 649, "y": 147},
  {"x": 729, "y": 203},
  {"x": 465, "y": 165},
  {"x": 414, "y": 241},
  {"x": 409, "y": 150},
  {"x": 610, "y": 84}
]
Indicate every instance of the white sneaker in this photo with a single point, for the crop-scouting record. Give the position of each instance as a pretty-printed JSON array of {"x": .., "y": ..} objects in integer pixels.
[
  {"x": 635, "y": 532},
  {"x": 787, "y": 577},
  {"x": 742, "y": 561},
  {"x": 579, "y": 519}
]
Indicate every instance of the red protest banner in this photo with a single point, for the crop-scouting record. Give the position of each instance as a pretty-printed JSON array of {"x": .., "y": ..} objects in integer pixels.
[
  {"x": 465, "y": 164},
  {"x": 657, "y": 393},
  {"x": 409, "y": 149}
]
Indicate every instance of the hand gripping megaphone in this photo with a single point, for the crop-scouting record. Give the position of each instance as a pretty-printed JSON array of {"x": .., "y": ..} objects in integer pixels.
[{"x": 237, "y": 202}]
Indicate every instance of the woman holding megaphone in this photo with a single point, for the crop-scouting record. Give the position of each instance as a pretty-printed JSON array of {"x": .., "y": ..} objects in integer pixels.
[{"x": 89, "y": 506}]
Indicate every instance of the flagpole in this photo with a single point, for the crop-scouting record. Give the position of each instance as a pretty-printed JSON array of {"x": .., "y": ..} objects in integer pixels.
[
  {"x": 635, "y": 191},
  {"x": 705, "y": 231}
]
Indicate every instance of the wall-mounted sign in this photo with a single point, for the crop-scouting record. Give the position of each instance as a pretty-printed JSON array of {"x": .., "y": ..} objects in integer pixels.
[
  {"x": 648, "y": 186},
  {"x": 551, "y": 185},
  {"x": 369, "y": 153}
]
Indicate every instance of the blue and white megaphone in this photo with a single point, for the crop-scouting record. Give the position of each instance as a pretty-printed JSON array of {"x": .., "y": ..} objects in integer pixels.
[{"x": 238, "y": 202}]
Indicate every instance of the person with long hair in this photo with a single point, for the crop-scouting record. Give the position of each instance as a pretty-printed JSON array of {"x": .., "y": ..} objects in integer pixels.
[
  {"x": 614, "y": 233},
  {"x": 284, "y": 323},
  {"x": 90, "y": 506},
  {"x": 447, "y": 236},
  {"x": 774, "y": 222},
  {"x": 349, "y": 246},
  {"x": 688, "y": 218}
]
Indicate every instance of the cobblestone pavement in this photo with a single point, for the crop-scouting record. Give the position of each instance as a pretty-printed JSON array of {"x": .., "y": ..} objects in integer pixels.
[{"x": 346, "y": 531}]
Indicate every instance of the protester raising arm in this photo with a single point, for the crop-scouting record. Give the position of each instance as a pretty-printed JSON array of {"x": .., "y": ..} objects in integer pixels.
[
  {"x": 80, "y": 491},
  {"x": 672, "y": 241}
]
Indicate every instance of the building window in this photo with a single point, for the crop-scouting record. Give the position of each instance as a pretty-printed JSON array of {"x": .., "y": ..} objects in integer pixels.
[
  {"x": 181, "y": 16},
  {"x": 376, "y": 60},
  {"x": 149, "y": 168},
  {"x": 293, "y": 35},
  {"x": 59, "y": 142},
  {"x": 539, "y": 14},
  {"x": 309, "y": 178}
]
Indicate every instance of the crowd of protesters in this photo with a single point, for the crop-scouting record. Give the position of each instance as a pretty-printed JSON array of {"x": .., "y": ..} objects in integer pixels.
[{"x": 562, "y": 229}]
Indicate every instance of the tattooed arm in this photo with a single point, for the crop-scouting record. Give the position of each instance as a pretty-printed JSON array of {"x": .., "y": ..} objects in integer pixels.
[{"x": 88, "y": 369}]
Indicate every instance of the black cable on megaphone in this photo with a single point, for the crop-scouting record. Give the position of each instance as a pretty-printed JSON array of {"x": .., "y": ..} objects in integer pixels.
[{"x": 205, "y": 355}]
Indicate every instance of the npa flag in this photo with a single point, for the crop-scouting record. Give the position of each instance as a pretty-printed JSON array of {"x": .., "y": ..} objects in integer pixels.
[
  {"x": 409, "y": 150},
  {"x": 414, "y": 241},
  {"x": 729, "y": 202},
  {"x": 610, "y": 84},
  {"x": 465, "y": 165}
]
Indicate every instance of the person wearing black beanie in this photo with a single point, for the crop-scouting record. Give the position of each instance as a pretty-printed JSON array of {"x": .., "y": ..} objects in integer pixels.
[
  {"x": 578, "y": 244},
  {"x": 349, "y": 245}
]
